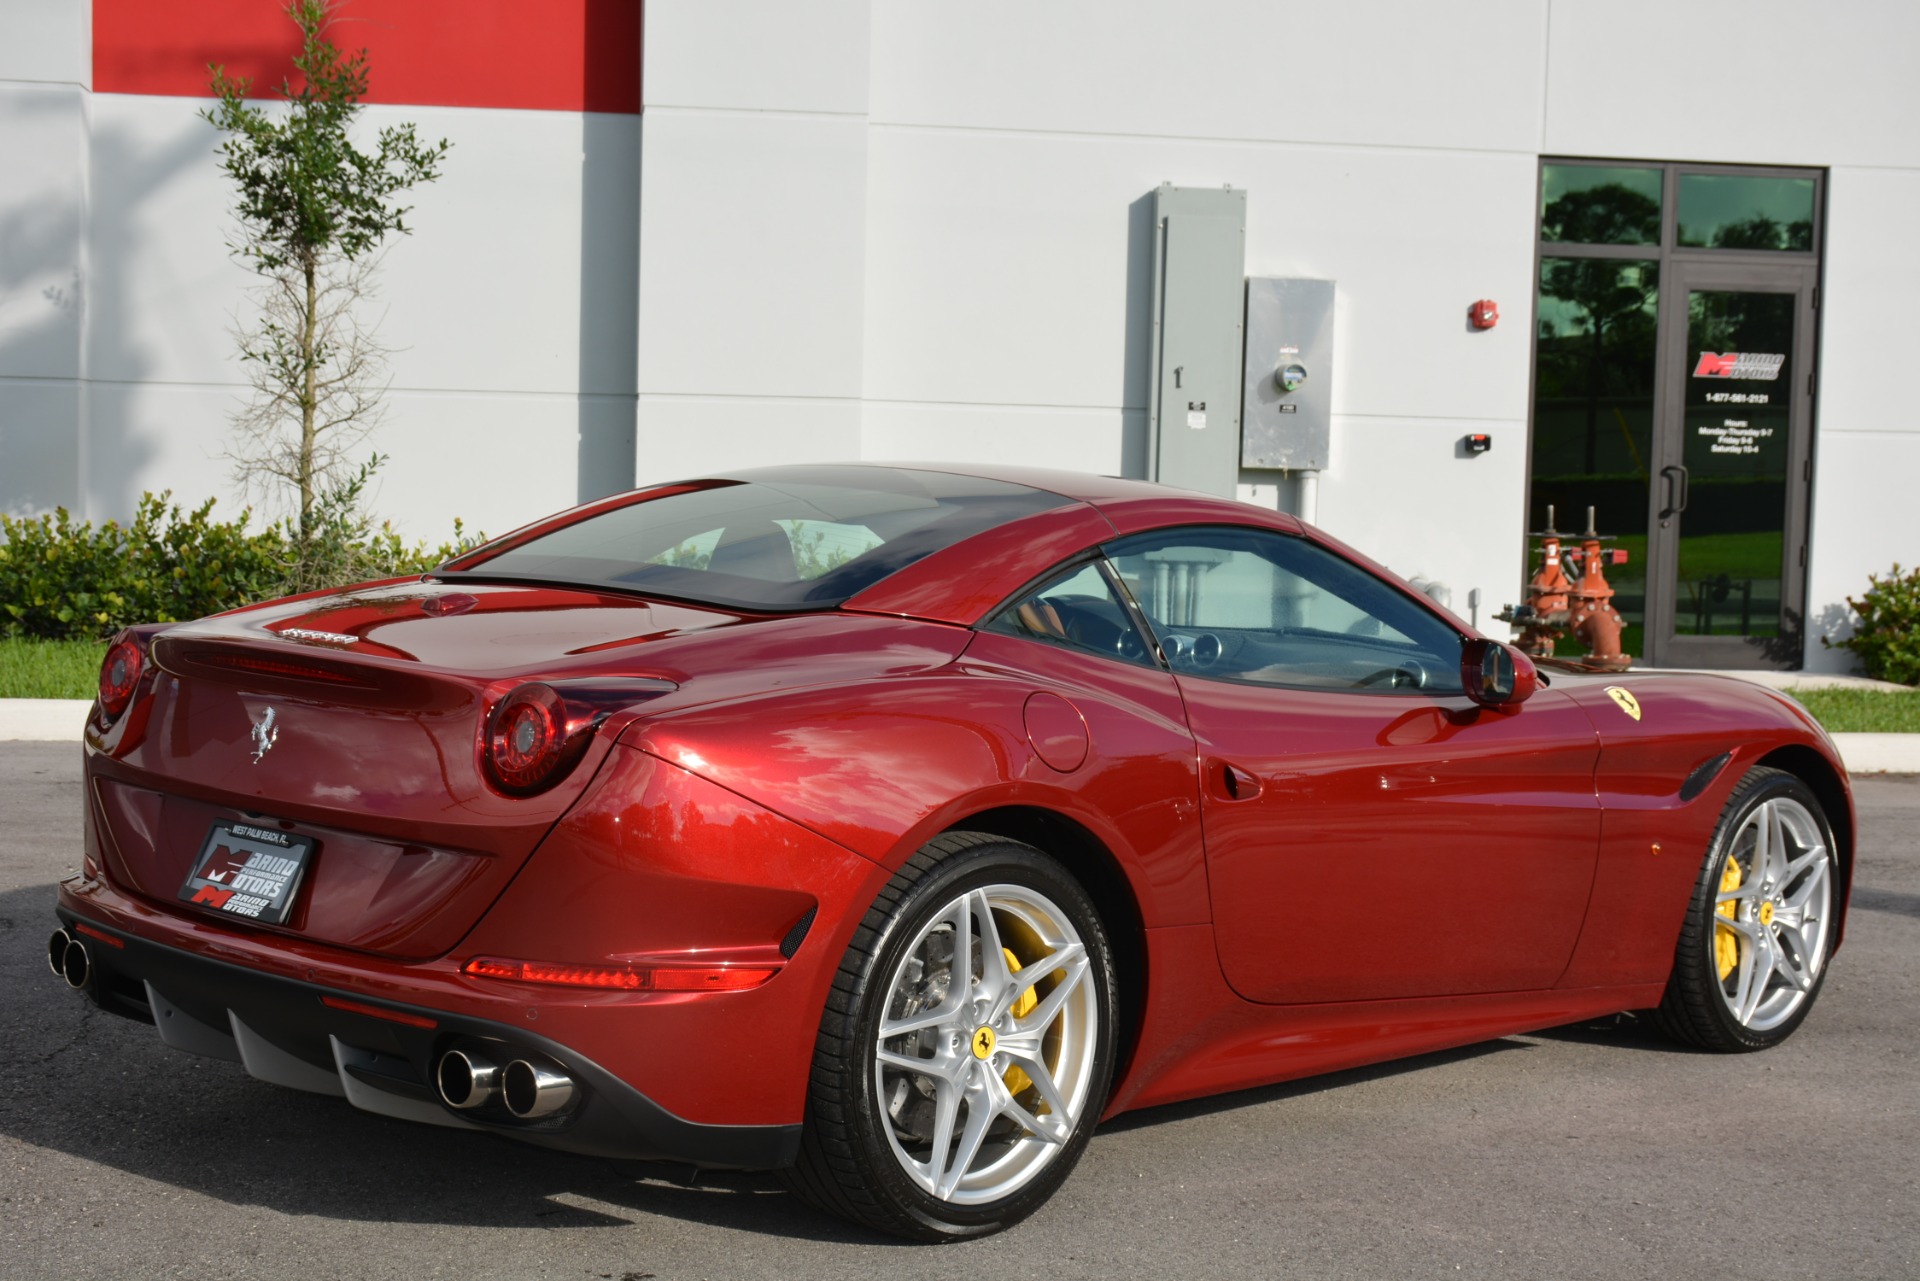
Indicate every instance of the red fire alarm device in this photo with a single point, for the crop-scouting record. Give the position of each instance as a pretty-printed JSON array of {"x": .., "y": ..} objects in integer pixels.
[{"x": 1484, "y": 314}]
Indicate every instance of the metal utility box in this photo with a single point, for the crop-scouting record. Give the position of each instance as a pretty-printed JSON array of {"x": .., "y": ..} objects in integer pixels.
[
  {"x": 1199, "y": 261},
  {"x": 1288, "y": 405}
]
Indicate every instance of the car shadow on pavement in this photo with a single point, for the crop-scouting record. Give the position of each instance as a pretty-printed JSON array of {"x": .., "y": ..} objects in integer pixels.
[
  {"x": 1191, "y": 1108},
  {"x": 103, "y": 1089},
  {"x": 1891, "y": 901},
  {"x": 1618, "y": 1032}
]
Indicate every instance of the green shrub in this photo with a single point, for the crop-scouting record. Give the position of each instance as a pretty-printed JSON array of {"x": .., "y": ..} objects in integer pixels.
[
  {"x": 62, "y": 579},
  {"x": 1886, "y": 640}
]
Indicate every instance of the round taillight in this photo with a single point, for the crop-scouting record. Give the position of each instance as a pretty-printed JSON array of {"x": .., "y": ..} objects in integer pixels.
[
  {"x": 118, "y": 675},
  {"x": 528, "y": 745}
]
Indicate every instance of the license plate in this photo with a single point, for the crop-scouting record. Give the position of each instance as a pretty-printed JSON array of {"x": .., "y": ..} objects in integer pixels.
[{"x": 248, "y": 871}]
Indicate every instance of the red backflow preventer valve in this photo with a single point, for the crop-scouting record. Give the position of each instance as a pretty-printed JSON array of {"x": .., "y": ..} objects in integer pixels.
[{"x": 1556, "y": 605}]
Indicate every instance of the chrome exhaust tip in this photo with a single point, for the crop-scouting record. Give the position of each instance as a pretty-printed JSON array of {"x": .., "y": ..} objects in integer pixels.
[
  {"x": 76, "y": 964},
  {"x": 531, "y": 1091},
  {"x": 57, "y": 952},
  {"x": 466, "y": 1080}
]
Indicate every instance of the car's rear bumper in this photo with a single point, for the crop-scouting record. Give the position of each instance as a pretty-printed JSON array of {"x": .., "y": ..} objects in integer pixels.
[{"x": 380, "y": 1054}]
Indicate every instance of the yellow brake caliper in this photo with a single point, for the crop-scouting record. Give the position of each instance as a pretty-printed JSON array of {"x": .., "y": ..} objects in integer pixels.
[
  {"x": 1018, "y": 1081},
  {"x": 1726, "y": 943}
]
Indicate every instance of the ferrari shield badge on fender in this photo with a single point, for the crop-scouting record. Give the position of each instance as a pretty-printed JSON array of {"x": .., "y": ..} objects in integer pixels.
[
  {"x": 266, "y": 733},
  {"x": 1628, "y": 703}
]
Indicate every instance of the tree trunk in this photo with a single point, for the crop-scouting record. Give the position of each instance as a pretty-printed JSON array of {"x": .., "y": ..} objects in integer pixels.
[{"x": 309, "y": 397}]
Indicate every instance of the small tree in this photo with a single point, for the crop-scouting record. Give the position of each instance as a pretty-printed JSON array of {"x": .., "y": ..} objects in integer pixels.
[{"x": 314, "y": 211}]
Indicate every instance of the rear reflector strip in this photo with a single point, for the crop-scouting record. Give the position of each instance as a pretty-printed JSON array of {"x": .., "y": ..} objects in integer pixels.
[
  {"x": 101, "y": 935},
  {"x": 712, "y": 978},
  {"x": 374, "y": 1011}
]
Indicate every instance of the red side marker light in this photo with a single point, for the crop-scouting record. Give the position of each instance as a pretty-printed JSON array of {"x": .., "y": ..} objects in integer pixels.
[
  {"x": 100, "y": 936},
  {"x": 374, "y": 1011},
  {"x": 711, "y": 978}
]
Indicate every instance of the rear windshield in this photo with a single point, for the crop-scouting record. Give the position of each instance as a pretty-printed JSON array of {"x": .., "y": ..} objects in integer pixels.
[{"x": 790, "y": 538}]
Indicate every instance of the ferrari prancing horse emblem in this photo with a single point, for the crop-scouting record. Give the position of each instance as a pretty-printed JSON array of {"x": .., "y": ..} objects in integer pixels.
[
  {"x": 1628, "y": 703},
  {"x": 265, "y": 735},
  {"x": 983, "y": 1043}
]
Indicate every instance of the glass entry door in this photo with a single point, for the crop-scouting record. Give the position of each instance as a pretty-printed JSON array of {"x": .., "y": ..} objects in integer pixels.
[
  {"x": 1726, "y": 551},
  {"x": 1672, "y": 398}
]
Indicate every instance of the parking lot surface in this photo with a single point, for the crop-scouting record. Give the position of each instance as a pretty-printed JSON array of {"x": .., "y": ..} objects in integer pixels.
[{"x": 1593, "y": 1151}]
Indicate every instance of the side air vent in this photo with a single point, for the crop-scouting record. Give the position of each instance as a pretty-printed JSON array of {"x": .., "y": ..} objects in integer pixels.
[
  {"x": 798, "y": 934},
  {"x": 1703, "y": 774}
]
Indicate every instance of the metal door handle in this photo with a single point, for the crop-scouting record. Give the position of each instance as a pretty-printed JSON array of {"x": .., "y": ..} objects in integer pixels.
[{"x": 1677, "y": 485}]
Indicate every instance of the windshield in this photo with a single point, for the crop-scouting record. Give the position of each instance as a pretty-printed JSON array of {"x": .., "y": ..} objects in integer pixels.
[{"x": 788, "y": 538}]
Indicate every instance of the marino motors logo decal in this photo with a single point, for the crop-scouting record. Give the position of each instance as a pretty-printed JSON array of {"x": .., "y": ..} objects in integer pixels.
[
  {"x": 1758, "y": 365},
  {"x": 247, "y": 870}
]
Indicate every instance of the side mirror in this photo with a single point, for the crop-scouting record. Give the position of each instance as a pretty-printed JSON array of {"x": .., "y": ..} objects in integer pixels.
[{"x": 1497, "y": 675}]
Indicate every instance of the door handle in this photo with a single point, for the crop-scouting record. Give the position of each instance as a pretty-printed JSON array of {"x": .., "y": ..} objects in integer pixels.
[
  {"x": 1678, "y": 482},
  {"x": 1237, "y": 784}
]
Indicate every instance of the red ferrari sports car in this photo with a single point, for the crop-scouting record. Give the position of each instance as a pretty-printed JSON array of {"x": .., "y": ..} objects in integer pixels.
[{"x": 890, "y": 826}]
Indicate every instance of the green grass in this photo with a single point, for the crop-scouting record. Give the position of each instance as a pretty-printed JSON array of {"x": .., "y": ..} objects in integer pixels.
[
  {"x": 1863, "y": 711},
  {"x": 49, "y": 669},
  {"x": 71, "y": 669}
]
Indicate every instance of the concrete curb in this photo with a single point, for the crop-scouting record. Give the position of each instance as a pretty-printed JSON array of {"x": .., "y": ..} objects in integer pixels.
[
  {"x": 56, "y": 720},
  {"x": 62, "y": 720},
  {"x": 1879, "y": 753}
]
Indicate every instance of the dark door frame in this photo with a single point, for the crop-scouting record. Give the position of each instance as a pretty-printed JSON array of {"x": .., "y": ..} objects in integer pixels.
[{"x": 1685, "y": 276}]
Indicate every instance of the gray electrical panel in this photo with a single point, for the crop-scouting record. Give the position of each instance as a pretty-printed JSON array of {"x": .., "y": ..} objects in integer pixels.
[
  {"x": 1288, "y": 405},
  {"x": 1199, "y": 262}
]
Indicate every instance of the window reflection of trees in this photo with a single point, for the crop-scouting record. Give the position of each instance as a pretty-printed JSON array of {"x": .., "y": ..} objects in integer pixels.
[
  {"x": 1609, "y": 214},
  {"x": 1755, "y": 232},
  {"x": 1597, "y": 325}
]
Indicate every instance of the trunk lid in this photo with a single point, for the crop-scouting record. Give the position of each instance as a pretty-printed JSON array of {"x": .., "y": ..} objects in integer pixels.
[{"x": 378, "y": 699}]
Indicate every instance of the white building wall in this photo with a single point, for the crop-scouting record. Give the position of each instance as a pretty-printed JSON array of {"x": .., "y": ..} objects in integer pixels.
[
  {"x": 1003, "y": 156},
  {"x": 1867, "y": 445},
  {"x": 924, "y": 232},
  {"x": 510, "y": 313},
  {"x": 906, "y": 231},
  {"x": 752, "y": 264},
  {"x": 44, "y": 65}
]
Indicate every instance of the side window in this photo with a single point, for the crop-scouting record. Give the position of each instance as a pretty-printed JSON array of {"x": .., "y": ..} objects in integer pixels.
[
  {"x": 1079, "y": 611},
  {"x": 1249, "y": 605}
]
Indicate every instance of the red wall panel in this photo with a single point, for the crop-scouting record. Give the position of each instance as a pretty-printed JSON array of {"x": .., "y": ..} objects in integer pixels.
[{"x": 546, "y": 55}]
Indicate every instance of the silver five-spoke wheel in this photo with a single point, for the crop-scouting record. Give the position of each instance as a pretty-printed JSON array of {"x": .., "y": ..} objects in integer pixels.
[
  {"x": 1773, "y": 905},
  {"x": 1754, "y": 949},
  {"x": 985, "y": 1059},
  {"x": 967, "y": 1048}
]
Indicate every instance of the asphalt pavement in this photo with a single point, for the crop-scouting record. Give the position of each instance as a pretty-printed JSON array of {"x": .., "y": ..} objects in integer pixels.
[{"x": 1595, "y": 1151}]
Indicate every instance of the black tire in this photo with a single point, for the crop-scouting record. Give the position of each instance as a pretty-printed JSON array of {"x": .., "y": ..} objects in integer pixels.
[
  {"x": 1782, "y": 947},
  {"x": 868, "y": 1120}
]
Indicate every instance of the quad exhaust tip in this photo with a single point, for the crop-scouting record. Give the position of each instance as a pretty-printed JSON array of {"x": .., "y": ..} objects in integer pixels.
[
  {"x": 68, "y": 957},
  {"x": 467, "y": 1079},
  {"x": 531, "y": 1091}
]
